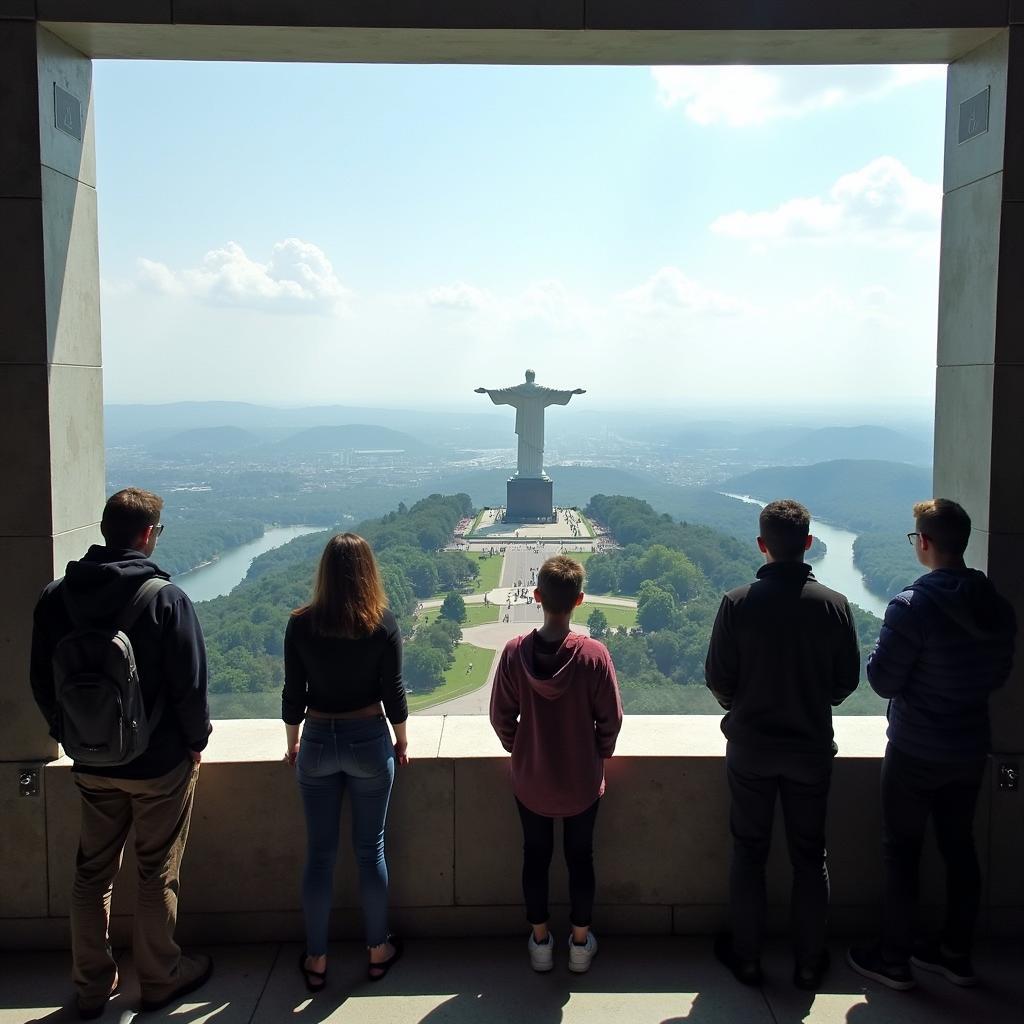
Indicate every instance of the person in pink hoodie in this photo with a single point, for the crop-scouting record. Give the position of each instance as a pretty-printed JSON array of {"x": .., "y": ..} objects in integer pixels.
[{"x": 556, "y": 708}]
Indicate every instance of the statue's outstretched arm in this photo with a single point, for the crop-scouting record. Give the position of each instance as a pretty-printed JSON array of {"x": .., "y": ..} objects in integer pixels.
[
  {"x": 554, "y": 397},
  {"x": 499, "y": 396}
]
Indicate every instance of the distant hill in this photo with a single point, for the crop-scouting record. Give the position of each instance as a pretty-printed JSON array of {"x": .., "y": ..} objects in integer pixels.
[
  {"x": 128, "y": 424},
  {"x": 863, "y": 442},
  {"x": 801, "y": 445},
  {"x": 860, "y": 495},
  {"x": 204, "y": 441},
  {"x": 352, "y": 435}
]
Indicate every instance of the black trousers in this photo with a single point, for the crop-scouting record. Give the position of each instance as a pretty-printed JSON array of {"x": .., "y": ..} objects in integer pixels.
[
  {"x": 913, "y": 789},
  {"x": 802, "y": 782},
  {"x": 538, "y": 847}
]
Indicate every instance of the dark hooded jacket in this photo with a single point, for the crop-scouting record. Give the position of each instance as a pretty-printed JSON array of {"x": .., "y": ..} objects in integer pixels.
[
  {"x": 167, "y": 641},
  {"x": 945, "y": 645},
  {"x": 783, "y": 653},
  {"x": 559, "y": 725}
]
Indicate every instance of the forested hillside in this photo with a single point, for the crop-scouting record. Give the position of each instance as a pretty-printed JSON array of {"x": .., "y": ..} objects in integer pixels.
[
  {"x": 245, "y": 629},
  {"x": 678, "y": 573},
  {"x": 871, "y": 498}
]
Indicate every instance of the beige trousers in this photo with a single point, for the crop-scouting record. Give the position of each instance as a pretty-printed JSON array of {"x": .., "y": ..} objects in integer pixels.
[{"x": 160, "y": 810}]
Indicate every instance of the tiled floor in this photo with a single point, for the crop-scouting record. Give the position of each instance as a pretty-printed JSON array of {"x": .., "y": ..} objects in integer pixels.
[{"x": 633, "y": 981}]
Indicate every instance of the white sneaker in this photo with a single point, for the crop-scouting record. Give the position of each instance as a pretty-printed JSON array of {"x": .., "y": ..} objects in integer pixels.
[
  {"x": 580, "y": 956},
  {"x": 542, "y": 954}
]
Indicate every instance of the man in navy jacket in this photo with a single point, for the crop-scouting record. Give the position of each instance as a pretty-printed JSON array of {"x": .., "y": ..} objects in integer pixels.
[{"x": 946, "y": 644}]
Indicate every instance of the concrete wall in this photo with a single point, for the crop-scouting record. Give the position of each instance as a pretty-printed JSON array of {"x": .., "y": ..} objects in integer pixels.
[
  {"x": 454, "y": 840},
  {"x": 51, "y": 413}
]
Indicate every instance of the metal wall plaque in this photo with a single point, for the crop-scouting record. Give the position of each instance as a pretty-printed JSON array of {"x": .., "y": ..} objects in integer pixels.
[
  {"x": 973, "y": 116},
  {"x": 67, "y": 112}
]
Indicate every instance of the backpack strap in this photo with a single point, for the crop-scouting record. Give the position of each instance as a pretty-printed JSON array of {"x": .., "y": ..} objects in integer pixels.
[
  {"x": 143, "y": 596},
  {"x": 138, "y": 604}
]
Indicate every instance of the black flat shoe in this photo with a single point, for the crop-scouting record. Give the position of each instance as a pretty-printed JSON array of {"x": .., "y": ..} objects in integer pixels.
[
  {"x": 809, "y": 978},
  {"x": 316, "y": 981},
  {"x": 746, "y": 972},
  {"x": 384, "y": 966}
]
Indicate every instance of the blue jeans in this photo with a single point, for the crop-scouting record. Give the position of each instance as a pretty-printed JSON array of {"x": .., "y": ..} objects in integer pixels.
[{"x": 335, "y": 754}]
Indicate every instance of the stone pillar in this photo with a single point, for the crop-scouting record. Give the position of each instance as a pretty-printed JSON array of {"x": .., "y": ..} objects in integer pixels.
[
  {"x": 51, "y": 405},
  {"x": 979, "y": 403}
]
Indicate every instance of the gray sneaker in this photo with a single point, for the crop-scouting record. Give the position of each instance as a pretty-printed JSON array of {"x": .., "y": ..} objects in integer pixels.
[
  {"x": 542, "y": 954},
  {"x": 580, "y": 956}
]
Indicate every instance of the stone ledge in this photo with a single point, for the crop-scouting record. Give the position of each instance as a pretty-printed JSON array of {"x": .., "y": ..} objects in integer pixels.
[{"x": 458, "y": 737}]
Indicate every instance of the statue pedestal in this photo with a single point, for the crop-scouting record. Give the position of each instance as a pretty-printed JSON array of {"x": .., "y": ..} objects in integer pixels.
[{"x": 529, "y": 500}]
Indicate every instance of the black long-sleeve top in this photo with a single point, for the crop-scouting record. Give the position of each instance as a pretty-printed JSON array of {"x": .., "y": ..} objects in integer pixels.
[
  {"x": 169, "y": 651},
  {"x": 337, "y": 674},
  {"x": 783, "y": 653}
]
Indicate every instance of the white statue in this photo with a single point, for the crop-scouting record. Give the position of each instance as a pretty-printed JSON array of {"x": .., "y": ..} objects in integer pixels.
[{"x": 530, "y": 400}]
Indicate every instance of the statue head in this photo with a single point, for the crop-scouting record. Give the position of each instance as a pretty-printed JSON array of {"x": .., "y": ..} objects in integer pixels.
[{"x": 530, "y": 376}]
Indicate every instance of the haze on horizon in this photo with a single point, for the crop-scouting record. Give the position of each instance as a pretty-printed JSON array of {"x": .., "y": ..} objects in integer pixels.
[{"x": 681, "y": 242}]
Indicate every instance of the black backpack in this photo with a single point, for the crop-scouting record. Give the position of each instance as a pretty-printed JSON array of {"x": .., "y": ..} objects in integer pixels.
[{"x": 102, "y": 719}]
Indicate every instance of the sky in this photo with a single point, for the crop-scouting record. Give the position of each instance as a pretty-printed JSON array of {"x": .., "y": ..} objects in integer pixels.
[{"x": 674, "y": 237}]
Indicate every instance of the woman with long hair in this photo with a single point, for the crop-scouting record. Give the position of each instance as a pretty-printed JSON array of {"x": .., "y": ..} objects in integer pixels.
[{"x": 343, "y": 674}]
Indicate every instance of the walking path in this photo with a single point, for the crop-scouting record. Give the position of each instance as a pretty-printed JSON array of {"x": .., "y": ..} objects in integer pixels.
[{"x": 514, "y": 599}]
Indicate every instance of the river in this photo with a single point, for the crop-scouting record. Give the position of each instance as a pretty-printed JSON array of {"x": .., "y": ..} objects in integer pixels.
[
  {"x": 836, "y": 569},
  {"x": 219, "y": 577}
]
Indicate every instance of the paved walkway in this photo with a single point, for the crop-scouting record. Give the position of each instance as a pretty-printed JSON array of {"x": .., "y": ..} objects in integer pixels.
[
  {"x": 520, "y": 565},
  {"x": 650, "y": 980}
]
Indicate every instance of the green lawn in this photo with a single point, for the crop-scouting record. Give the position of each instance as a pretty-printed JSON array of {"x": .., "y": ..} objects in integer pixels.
[
  {"x": 490, "y": 573},
  {"x": 476, "y": 615},
  {"x": 459, "y": 679},
  {"x": 615, "y": 614}
]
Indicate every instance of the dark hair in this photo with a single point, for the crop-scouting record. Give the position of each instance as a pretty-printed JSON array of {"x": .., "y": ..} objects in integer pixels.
[
  {"x": 348, "y": 597},
  {"x": 784, "y": 527},
  {"x": 560, "y": 582},
  {"x": 128, "y": 514},
  {"x": 945, "y": 524}
]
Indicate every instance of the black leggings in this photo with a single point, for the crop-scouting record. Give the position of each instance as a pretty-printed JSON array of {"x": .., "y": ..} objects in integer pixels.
[{"x": 538, "y": 846}]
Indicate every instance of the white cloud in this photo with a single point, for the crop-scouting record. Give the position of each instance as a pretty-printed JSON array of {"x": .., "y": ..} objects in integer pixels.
[
  {"x": 460, "y": 296},
  {"x": 669, "y": 291},
  {"x": 739, "y": 95},
  {"x": 297, "y": 278},
  {"x": 882, "y": 202}
]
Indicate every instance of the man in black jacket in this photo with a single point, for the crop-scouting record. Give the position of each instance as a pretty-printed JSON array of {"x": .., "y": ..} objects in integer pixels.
[
  {"x": 783, "y": 653},
  {"x": 946, "y": 643},
  {"x": 154, "y": 791}
]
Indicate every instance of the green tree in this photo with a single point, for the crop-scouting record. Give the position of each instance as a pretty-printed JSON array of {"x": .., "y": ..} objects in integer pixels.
[
  {"x": 423, "y": 667},
  {"x": 597, "y": 622},
  {"x": 655, "y": 607},
  {"x": 602, "y": 577},
  {"x": 665, "y": 646},
  {"x": 454, "y": 608}
]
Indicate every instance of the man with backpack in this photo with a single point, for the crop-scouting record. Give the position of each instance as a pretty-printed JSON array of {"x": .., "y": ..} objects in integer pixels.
[{"x": 118, "y": 669}]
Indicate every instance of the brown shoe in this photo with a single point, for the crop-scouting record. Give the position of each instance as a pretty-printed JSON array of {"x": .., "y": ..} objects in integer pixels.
[{"x": 193, "y": 972}]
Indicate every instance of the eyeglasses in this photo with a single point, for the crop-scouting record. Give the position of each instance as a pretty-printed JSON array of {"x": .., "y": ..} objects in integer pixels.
[
  {"x": 158, "y": 529},
  {"x": 912, "y": 537}
]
